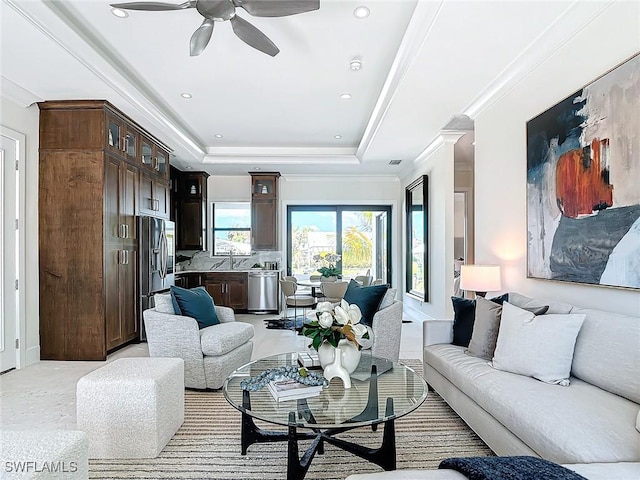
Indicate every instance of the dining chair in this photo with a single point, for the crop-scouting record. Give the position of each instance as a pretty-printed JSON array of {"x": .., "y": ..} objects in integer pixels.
[
  {"x": 333, "y": 291},
  {"x": 293, "y": 299},
  {"x": 377, "y": 281},
  {"x": 315, "y": 278},
  {"x": 364, "y": 280}
]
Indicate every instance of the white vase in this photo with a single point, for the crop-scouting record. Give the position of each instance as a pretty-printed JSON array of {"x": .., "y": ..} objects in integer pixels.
[{"x": 339, "y": 361}]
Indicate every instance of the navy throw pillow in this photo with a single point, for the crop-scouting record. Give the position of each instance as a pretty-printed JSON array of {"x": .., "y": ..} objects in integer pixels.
[
  {"x": 195, "y": 303},
  {"x": 366, "y": 298},
  {"x": 464, "y": 316}
]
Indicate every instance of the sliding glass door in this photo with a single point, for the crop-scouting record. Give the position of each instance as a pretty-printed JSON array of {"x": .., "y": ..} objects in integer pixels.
[{"x": 359, "y": 237}]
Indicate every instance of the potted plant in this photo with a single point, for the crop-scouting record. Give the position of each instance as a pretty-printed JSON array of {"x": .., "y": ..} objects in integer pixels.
[{"x": 327, "y": 262}]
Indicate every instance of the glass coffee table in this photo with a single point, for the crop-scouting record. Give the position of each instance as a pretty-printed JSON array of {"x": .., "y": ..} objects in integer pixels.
[{"x": 374, "y": 398}]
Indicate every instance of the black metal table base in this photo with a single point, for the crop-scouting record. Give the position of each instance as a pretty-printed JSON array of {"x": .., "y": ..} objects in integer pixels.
[{"x": 297, "y": 467}]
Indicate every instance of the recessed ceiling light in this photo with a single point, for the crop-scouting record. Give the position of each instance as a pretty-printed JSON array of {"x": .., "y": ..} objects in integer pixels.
[
  {"x": 189, "y": 167},
  {"x": 337, "y": 137},
  {"x": 257, "y": 168},
  {"x": 395, "y": 162},
  {"x": 345, "y": 96},
  {"x": 217, "y": 135},
  {"x": 361, "y": 12},
  {"x": 186, "y": 95},
  {"x": 118, "y": 12},
  {"x": 355, "y": 64}
]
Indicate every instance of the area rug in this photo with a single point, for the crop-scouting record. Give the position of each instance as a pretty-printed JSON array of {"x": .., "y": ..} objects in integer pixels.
[
  {"x": 285, "y": 323},
  {"x": 207, "y": 446}
]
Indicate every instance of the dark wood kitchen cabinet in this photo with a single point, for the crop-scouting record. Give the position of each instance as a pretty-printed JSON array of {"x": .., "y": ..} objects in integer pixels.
[
  {"x": 89, "y": 194},
  {"x": 190, "y": 191},
  {"x": 154, "y": 196},
  {"x": 229, "y": 289},
  {"x": 264, "y": 211}
]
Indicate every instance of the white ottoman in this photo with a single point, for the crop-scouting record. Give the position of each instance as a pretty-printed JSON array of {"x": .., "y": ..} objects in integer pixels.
[
  {"x": 41, "y": 454},
  {"x": 131, "y": 407}
]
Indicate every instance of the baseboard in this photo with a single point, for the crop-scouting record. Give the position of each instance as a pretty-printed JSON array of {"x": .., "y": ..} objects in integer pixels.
[{"x": 32, "y": 355}]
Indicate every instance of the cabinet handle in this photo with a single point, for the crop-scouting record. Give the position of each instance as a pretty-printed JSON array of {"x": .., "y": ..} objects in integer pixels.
[
  {"x": 124, "y": 144},
  {"x": 157, "y": 204},
  {"x": 126, "y": 257},
  {"x": 126, "y": 230},
  {"x": 121, "y": 231},
  {"x": 120, "y": 257}
]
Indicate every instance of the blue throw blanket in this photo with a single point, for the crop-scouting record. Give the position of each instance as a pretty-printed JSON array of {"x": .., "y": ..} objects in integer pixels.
[{"x": 509, "y": 468}]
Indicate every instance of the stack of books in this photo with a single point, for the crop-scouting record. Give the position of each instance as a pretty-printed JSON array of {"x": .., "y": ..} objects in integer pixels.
[
  {"x": 309, "y": 359},
  {"x": 287, "y": 389}
]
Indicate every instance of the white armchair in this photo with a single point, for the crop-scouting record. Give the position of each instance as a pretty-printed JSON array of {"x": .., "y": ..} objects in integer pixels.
[
  {"x": 210, "y": 354},
  {"x": 387, "y": 330}
]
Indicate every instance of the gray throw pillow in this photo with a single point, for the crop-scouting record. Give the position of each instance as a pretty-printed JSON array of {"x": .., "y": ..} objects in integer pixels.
[
  {"x": 388, "y": 299},
  {"x": 485, "y": 329},
  {"x": 163, "y": 303}
]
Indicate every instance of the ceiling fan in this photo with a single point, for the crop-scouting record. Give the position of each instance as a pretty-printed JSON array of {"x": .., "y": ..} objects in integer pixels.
[{"x": 222, "y": 10}]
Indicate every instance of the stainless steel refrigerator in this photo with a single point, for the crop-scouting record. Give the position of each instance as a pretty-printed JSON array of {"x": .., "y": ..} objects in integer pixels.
[{"x": 156, "y": 252}]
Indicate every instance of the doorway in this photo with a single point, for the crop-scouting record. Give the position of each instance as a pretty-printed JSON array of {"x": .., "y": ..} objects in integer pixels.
[{"x": 11, "y": 144}]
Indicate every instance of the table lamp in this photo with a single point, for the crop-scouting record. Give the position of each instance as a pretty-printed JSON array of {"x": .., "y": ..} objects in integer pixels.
[{"x": 480, "y": 278}]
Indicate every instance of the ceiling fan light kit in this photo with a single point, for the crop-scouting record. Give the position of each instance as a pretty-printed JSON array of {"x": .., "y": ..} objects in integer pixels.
[{"x": 223, "y": 10}]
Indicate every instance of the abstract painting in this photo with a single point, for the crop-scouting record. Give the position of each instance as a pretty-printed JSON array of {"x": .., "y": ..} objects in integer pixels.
[{"x": 583, "y": 184}]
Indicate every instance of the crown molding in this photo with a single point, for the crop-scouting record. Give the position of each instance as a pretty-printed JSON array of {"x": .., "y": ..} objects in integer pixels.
[
  {"x": 16, "y": 94},
  {"x": 577, "y": 16},
  {"x": 59, "y": 24},
  {"x": 418, "y": 30},
  {"x": 281, "y": 155}
]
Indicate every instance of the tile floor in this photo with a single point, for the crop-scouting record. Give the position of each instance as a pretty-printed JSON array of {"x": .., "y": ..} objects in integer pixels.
[{"x": 42, "y": 396}]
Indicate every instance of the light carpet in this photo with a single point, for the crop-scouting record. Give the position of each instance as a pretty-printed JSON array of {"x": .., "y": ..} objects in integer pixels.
[{"x": 207, "y": 446}]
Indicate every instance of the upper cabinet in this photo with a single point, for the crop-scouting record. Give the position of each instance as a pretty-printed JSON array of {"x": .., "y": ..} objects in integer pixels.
[
  {"x": 264, "y": 211},
  {"x": 190, "y": 202}
]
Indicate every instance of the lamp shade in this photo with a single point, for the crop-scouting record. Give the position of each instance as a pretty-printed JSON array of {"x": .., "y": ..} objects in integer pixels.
[{"x": 480, "y": 278}]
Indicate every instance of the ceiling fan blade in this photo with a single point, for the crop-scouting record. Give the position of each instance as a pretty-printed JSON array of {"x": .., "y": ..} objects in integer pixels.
[
  {"x": 153, "y": 6},
  {"x": 277, "y": 8},
  {"x": 200, "y": 38},
  {"x": 253, "y": 37}
]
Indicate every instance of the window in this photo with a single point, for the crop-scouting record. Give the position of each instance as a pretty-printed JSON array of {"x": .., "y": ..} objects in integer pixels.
[
  {"x": 359, "y": 234},
  {"x": 231, "y": 228}
]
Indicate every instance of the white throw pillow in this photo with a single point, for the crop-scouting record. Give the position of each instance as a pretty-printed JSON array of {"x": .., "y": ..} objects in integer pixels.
[
  {"x": 163, "y": 303},
  {"x": 537, "y": 346}
]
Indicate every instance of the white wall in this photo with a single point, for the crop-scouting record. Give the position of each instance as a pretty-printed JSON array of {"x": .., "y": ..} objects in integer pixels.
[
  {"x": 439, "y": 166},
  {"x": 500, "y": 159},
  {"x": 26, "y": 121},
  {"x": 229, "y": 189}
]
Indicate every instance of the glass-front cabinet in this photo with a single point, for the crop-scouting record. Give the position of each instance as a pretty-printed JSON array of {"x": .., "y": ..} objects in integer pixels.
[
  {"x": 121, "y": 138},
  {"x": 146, "y": 153},
  {"x": 162, "y": 163}
]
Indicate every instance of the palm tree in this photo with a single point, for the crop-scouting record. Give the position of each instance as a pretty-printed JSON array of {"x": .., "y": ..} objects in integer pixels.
[{"x": 356, "y": 248}]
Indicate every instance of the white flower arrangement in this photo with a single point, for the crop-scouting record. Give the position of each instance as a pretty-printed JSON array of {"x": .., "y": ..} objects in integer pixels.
[{"x": 332, "y": 323}]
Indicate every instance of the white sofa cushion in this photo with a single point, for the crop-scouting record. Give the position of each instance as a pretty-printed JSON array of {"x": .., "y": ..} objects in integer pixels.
[
  {"x": 219, "y": 339},
  {"x": 540, "y": 346},
  {"x": 577, "y": 424},
  {"x": 607, "y": 352}
]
